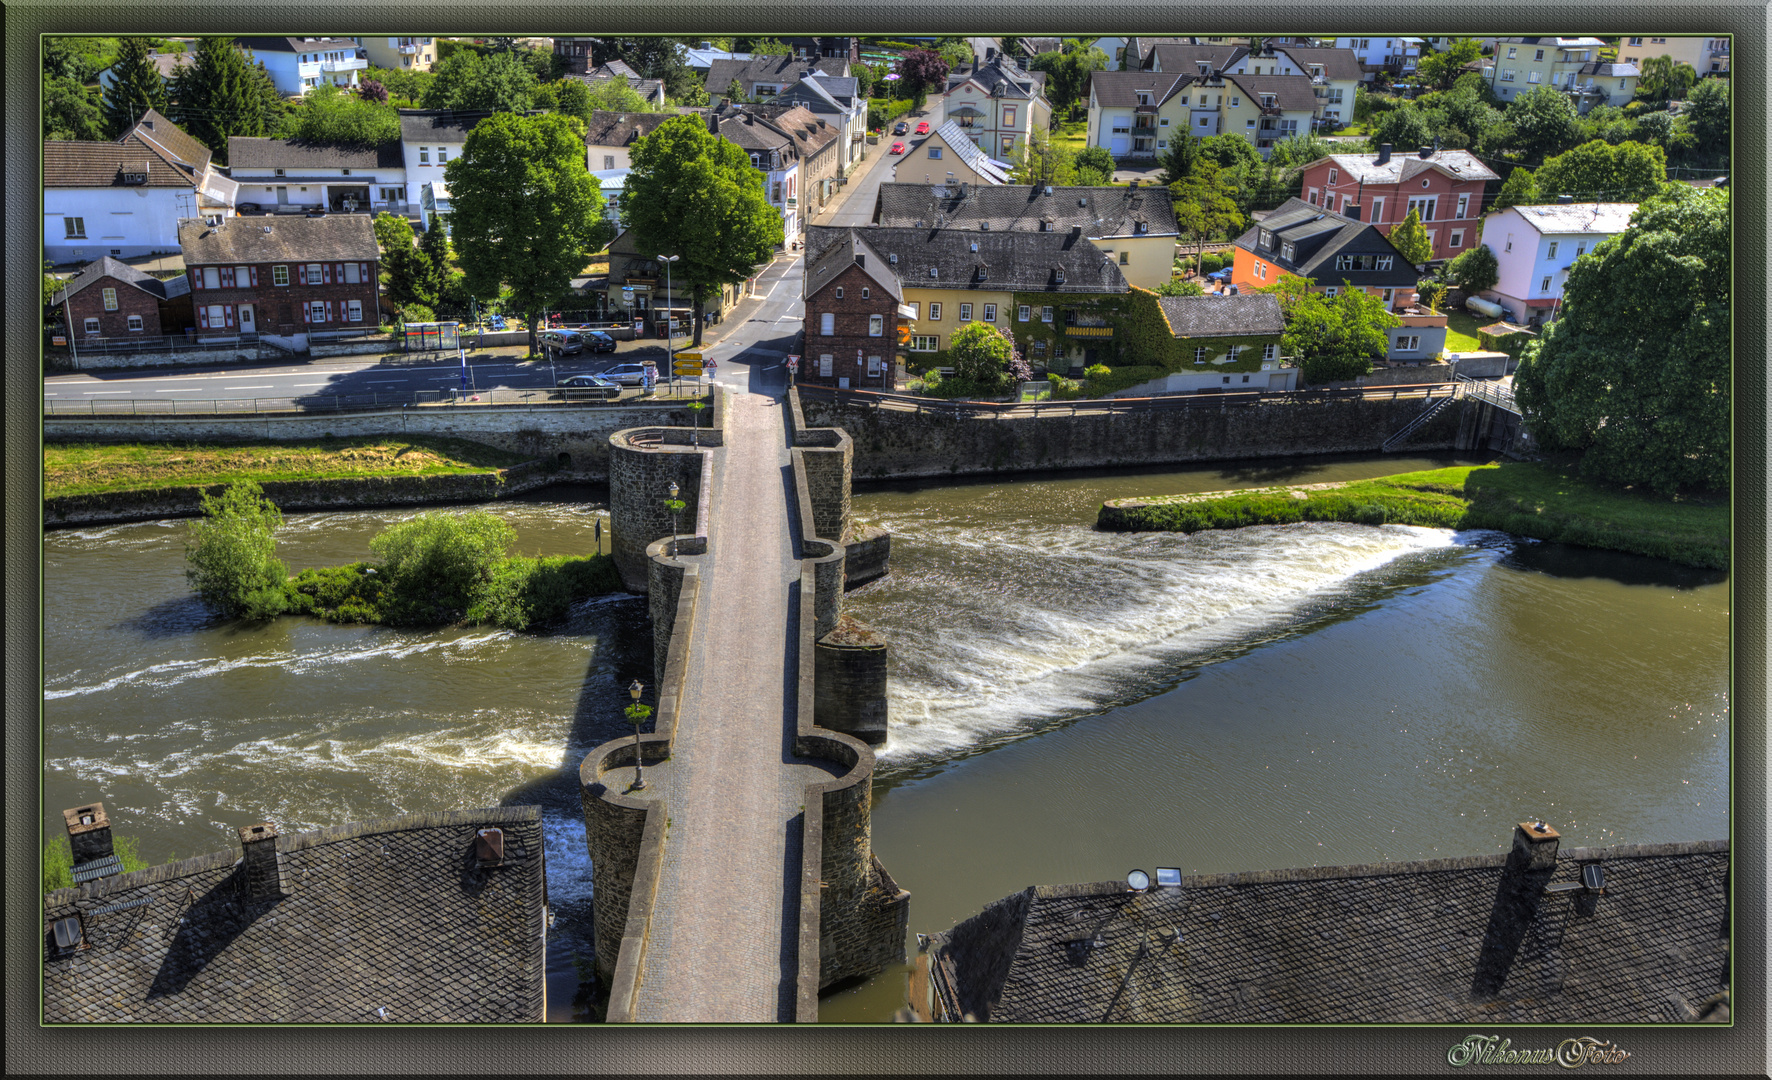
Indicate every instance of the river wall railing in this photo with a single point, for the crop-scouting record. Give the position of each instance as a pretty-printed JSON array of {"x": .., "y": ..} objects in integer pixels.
[
  {"x": 382, "y": 401},
  {"x": 879, "y": 401}
]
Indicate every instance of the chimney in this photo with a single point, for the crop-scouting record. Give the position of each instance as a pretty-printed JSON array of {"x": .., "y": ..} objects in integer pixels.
[
  {"x": 1351, "y": 210},
  {"x": 1535, "y": 848},
  {"x": 1426, "y": 152},
  {"x": 1134, "y": 183},
  {"x": 963, "y": 186},
  {"x": 262, "y": 865},
  {"x": 1076, "y": 230},
  {"x": 1565, "y": 200},
  {"x": 1528, "y": 869},
  {"x": 1384, "y": 153},
  {"x": 89, "y": 835}
]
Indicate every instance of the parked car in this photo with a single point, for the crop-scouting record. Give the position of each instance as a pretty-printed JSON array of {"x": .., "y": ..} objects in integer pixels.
[
  {"x": 923, "y": 128},
  {"x": 1220, "y": 275},
  {"x": 624, "y": 374},
  {"x": 590, "y": 386},
  {"x": 898, "y": 148},
  {"x": 564, "y": 342},
  {"x": 902, "y": 128},
  {"x": 597, "y": 341}
]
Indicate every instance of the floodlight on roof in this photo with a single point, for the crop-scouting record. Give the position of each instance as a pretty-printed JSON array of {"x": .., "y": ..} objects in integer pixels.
[
  {"x": 1169, "y": 876},
  {"x": 1138, "y": 881}
]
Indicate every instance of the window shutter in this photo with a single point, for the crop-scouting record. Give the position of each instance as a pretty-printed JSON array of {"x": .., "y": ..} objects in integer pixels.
[
  {"x": 227, "y": 277},
  {"x": 306, "y": 314},
  {"x": 254, "y": 272},
  {"x": 329, "y": 316},
  {"x": 203, "y": 317},
  {"x": 363, "y": 274},
  {"x": 228, "y": 315},
  {"x": 326, "y": 273},
  {"x": 196, "y": 277},
  {"x": 301, "y": 273}
]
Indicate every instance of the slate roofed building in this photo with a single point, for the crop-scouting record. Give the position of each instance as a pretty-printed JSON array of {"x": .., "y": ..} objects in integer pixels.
[
  {"x": 298, "y": 64},
  {"x": 1627, "y": 934},
  {"x": 652, "y": 91},
  {"x": 1334, "y": 251},
  {"x": 610, "y": 136},
  {"x": 292, "y": 176},
  {"x": 997, "y": 104},
  {"x": 948, "y": 156},
  {"x": 283, "y": 276},
  {"x": 112, "y": 302},
  {"x": 1445, "y": 188},
  {"x": 422, "y": 918},
  {"x": 1134, "y": 226},
  {"x": 1232, "y": 342},
  {"x": 1138, "y": 114},
  {"x": 766, "y": 76}
]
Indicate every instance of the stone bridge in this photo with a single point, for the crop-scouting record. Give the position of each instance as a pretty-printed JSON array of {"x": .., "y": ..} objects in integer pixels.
[{"x": 740, "y": 881}]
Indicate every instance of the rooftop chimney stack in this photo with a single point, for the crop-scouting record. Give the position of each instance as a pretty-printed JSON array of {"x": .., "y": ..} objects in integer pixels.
[
  {"x": 262, "y": 865},
  {"x": 1384, "y": 153},
  {"x": 1427, "y": 152},
  {"x": 1351, "y": 210},
  {"x": 1565, "y": 200},
  {"x": 89, "y": 834},
  {"x": 1535, "y": 848}
]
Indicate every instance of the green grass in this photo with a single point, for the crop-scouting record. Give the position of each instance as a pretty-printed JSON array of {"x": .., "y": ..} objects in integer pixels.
[
  {"x": 95, "y": 468},
  {"x": 1073, "y": 135},
  {"x": 58, "y": 861},
  {"x": 1546, "y": 501},
  {"x": 1461, "y": 331}
]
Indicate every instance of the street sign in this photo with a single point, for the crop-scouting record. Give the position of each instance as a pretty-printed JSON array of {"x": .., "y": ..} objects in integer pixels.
[
  {"x": 687, "y": 367},
  {"x": 627, "y": 295}
]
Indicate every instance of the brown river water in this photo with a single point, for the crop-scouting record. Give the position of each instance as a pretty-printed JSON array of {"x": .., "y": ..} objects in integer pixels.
[{"x": 1066, "y": 705}]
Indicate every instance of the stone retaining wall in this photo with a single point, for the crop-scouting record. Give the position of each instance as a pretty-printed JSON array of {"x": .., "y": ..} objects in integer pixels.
[
  {"x": 643, "y": 463},
  {"x": 866, "y": 556}
]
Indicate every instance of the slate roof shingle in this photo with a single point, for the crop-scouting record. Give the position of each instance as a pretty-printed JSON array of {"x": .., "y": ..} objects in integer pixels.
[
  {"x": 1606, "y": 218},
  {"x": 1365, "y": 169},
  {"x": 170, "y": 157},
  {"x": 841, "y": 254},
  {"x": 106, "y": 266},
  {"x": 1317, "y": 236},
  {"x": 394, "y": 914},
  {"x": 290, "y": 154},
  {"x": 785, "y": 70},
  {"x": 432, "y": 126},
  {"x": 607, "y": 128},
  {"x": 1415, "y": 942},
  {"x": 335, "y": 238},
  {"x": 1337, "y": 64},
  {"x": 1101, "y": 211},
  {"x": 1244, "y": 315},
  {"x": 1011, "y": 261}
]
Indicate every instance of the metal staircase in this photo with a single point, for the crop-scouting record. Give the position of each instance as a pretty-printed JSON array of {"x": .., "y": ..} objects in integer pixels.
[{"x": 1421, "y": 418}]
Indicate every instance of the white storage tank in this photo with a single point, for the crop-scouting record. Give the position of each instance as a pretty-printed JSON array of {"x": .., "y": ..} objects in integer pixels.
[{"x": 1485, "y": 307}]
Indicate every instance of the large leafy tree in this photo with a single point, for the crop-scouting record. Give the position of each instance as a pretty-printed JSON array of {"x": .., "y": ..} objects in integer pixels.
[
  {"x": 920, "y": 71},
  {"x": 1409, "y": 237},
  {"x": 1206, "y": 203},
  {"x": 1543, "y": 123},
  {"x": 526, "y": 212},
  {"x": 1664, "y": 79},
  {"x": 138, "y": 87},
  {"x": 334, "y": 114},
  {"x": 1441, "y": 69},
  {"x": 232, "y": 554},
  {"x": 1067, "y": 73},
  {"x": 1598, "y": 172},
  {"x": 1519, "y": 188},
  {"x": 1297, "y": 151},
  {"x": 468, "y": 82},
  {"x": 220, "y": 93},
  {"x": 1708, "y": 116},
  {"x": 697, "y": 196},
  {"x": 69, "y": 112},
  {"x": 1475, "y": 270},
  {"x": 1334, "y": 337},
  {"x": 983, "y": 355},
  {"x": 1636, "y": 372}
]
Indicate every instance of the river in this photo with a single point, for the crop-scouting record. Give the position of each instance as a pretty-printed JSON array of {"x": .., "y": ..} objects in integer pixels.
[{"x": 1066, "y": 704}]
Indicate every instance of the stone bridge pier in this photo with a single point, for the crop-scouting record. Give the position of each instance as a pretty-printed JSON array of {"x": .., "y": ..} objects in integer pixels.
[{"x": 740, "y": 881}]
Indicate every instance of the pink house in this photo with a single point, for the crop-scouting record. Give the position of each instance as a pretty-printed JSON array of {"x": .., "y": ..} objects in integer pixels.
[{"x": 1446, "y": 186}]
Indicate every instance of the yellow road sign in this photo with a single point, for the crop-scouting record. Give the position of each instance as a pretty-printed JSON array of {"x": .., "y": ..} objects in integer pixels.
[{"x": 687, "y": 367}]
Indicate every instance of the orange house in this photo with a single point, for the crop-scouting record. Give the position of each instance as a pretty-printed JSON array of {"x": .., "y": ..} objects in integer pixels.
[{"x": 1335, "y": 252}]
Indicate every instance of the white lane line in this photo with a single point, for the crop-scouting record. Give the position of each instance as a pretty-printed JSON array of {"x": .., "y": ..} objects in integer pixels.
[
  {"x": 188, "y": 390},
  {"x": 251, "y": 386},
  {"x": 312, "y": 384},
  {"x": 93, "y": 393}
]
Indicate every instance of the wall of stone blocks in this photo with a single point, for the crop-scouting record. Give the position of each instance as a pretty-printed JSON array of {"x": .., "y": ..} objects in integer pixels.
[
  {"x": 867, "y": 555},
  {"x": 641, "y": 469}
]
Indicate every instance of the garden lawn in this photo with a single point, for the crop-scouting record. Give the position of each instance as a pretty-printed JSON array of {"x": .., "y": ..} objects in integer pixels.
[
  {"x": 1461, "y": 331},
  {"x": 93, "y": 468}
]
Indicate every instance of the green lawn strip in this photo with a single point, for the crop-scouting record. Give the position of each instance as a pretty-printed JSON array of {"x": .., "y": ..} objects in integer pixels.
[
  {"x": 1461, "y": 331},
  {"x": 96, "y": 468},
  {"x": 1543, "y": 501}
]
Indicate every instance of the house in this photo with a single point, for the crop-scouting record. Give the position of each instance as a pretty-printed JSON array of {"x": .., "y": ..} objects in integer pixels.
[
  {"x": 948, "y": 156},
  {"x": 1335, "y": 76},
  {"x": 429, "y": 140},
  {"x": 1133, "y": 226},
  {"x": 1534, "y": 247},
  {"x": 652, "y": 91},
  {"x": 763, "y": 77},
  {"x": 298, "y": 64},
  {"x": 997, "y": 104},
  {"x": 1634, "y": 933},
  {"x": 609, "y": 136},
  {"x": 1018, "y": 281},
  {"x": 1333, "y": 251},
  {"x": 575, "y": 54},
  {"x": 1136, "y": 114},
  {"x": 819, "y": 145},
  {"x": 853, "y": 307},
  {"x": 1029, "y": 47},
  {"x": 847, "y": 49},
  {"x": 124, "y": 198},
  {"x": 701, "y": 60},
  {"x": 1444, "y": 186},
  {"x": 290, "y": 276},
  {"x": 167, "y": 64},
  {"x": 1395, "y": 54},
  {"x": 113, "y": 302},
  {"x": 399, "y": 53},
  {"x": 1233, "y": 343},
  {"x": 1706, "y": 55},
  {"x": 291, "y": 176},
  {"x": 773, "y": 151},
  {"x": 1523, "y": 64},
  {"x": 837, "y": 101},
  {"x": 434, "y": 917},
  {"x": 1603, "y": 82}
]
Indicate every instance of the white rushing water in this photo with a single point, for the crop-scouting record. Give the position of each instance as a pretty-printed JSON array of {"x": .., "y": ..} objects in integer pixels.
[{"x": 994, "y": 632}]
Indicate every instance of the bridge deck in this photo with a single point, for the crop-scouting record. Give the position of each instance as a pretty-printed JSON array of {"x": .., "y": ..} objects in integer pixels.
[{"x": 723, "y": 944}]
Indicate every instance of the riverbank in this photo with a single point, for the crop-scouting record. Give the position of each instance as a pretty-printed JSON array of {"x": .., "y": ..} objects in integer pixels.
[{"x": 1538, "y": 500}]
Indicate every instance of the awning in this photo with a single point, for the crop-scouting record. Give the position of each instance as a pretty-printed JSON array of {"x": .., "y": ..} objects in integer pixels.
[
  {"x": 905, "y": 311},
  {"x": 966, "y": 110},
  {"x": 1088, "y": 331}
]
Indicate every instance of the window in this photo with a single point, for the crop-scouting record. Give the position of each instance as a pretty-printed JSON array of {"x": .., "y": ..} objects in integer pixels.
[
  {"x": 424, "y": 155},
  {"x": 934, "y": 311},
  {"x": 1581, "y": 249},
  {"x": 1163, "y": 122},
  {"x": 1040, "y": 347},
  {"x": 1408, "y": 342},
  {"x": 1433, "y": 238},
  {"x": 316, "y": 311},
  {"x": 1236, "y": 101},
  {"x": 1635, "y": 42},
  {"x": 211, "y": 277},
  {"x": 965, "y": 312},
  {"x": 1457, "y": 238},
  {"x": 924, "y": 343},
  {"x": 1534, "y": 77},
  {"x": 1008, "y": 143},
  {"x": 110, "y": 299},
  {"x": 278, "y": 172},
  {"x": 1125, "y": 258},
  {"x": 1332, "y": 290},
  {"x": 1538, "y": 55},
  {"x": 314, "y": 276},
  {"x": 1389, "y": 295},
  {"x": 1249, "y": 124},
  {"x": 442, "y": 154},
  {"x": 864, "y": 294},
  {"x": 1144, "y": 97},
  {"x": 935, "y": 153},
  {"x": 827, "y": 324},
  {"x": 1507, "y": 74},
  {"x": 1045, "y": 314},
  {"x": 1227, "y": 378},
  {"x": 1288, "y": 251},
  {"x": 1552, "y": 253},
  {"x": 1205, "y": 121},
  {"x": 1024, "y": 313},
  {"x": 279, "y": 275},
  {"x": 915, "y": 306},
  {"x": 1384, "y": 261},
  {"x": 876, "y": 325},
  {"x": 354, "y": 310},
  {"x": 1269, "y": 351},
  {"x": 990, "y": 313},
  {"x": 1510, "y": 242},
  {"x": 135, "y": 322},
  {"x": 1230, "y": 356},
  {"x": 92, "y": 326},
  {"x": 76, "y": 227},
  {"x": 608, "y": 161},
  {"x": 1199, "y": 354},
  {"x": 824, "y": 365},
  {"x": 1545, "y": 285},
  {"x": 1310, "y": 198},
  {"x": 1009, "y": 112},
  {"x": 1377, "y": 210},
  {"x": 839, "y": 292},
  {"x": 1512, "y": 51},
  {"x": 1425, "y": 205}
]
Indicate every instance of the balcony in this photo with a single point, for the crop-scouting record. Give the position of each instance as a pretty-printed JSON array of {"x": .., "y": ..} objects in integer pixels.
[
  {"x": 1271, "y": 110},
  {"x": 1147, "y": 109},
  {"x": 409, "y": 50},
  {"x": 353, "y": 64}
]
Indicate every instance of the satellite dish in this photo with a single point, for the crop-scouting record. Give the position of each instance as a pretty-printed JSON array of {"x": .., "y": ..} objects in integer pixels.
[{"x": 1138, "y": 881}]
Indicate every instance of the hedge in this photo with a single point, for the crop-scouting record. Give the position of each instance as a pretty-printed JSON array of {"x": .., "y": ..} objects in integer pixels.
[{"x": 881, "y": 113}]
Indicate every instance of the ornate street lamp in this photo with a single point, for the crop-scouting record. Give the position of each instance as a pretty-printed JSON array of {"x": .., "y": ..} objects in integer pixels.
[
  {"x": 637, "y": 714},
  {"x": 675, "y": 506}
]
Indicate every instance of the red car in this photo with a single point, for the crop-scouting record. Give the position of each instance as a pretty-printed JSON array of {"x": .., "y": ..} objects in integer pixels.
[
  {"x": 898, "y": 148},
  {"x": 923, "y": 128}
]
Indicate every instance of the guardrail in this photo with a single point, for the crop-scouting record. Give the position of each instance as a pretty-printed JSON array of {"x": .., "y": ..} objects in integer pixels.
[
  {"x": 1502, "y": 397},
  {"x": 994, "y": 410},
  {"x": 564, "y": 397}
]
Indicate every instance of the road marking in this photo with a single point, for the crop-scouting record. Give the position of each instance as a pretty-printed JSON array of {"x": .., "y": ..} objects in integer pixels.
[
  {"x": 254, "y": 386},
  {"x": 91, "y": 393},
  {"x": 385, "y": 382},
  {"x": 312, "y": 384},
  {"x": 190, "y": 390}
]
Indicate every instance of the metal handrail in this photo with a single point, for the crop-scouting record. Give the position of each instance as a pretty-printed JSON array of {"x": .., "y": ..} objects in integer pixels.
[
  {"x": 880, "y": 401},
  {"x": 427, "y": 400}
]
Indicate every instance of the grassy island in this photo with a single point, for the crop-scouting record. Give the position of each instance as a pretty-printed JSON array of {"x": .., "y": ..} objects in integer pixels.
[{"x": 1546, "y": 501}]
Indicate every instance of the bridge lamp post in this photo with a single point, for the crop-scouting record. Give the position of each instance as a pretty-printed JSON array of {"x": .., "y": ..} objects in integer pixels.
[
  {"x": 670, "y": 303},
  {"x": 675, "y": 506},
  {"x": 637, "y": 714}
]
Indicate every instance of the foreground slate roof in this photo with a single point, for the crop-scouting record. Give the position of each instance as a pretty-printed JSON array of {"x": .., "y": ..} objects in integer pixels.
[
  {"x": 1318, "y": 235},
  {"x": 1007, "y": 261},
  {"x": 1246, "y": 315},
  {"x": 1439, "y": 941},
  {"x": 1101, "y": 211},
  {"x": 107, "y": 267},
  {"x": 392, "y": 915},
  {"x": 336, "y": 238},
  {"x": 155, "y": 145},
  {"x": 254, "y": 153}
]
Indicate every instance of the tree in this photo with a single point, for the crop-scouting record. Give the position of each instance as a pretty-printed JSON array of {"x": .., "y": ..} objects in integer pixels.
[
  {"x": 76, "y": 58},
  {"x": 231, "y": 554},
  {"x": 1336, "y": 337},
  {"x": 333, "y": 114},
  {"x": 1656, "y": 129},
  {"x": 392, "y": 231},
  {"x": 1228, "y": 151},
  {"x": 980, "y": 353},
  {"x": 865, "y": 75},
  {"x": 1597, "y": 172},
  {"x": 1474, "y": 270},
  {"x": 1664, "y": 79},
  {"x": 1179, "y": 160},
  {"x": 1404, "y": 127},
  {"x": 467, "y": 82},
  {"x": 762, "y": 46},
  {"x": 438, "y": 564},
  {"x": 138, "y": 87},
  {"x": 407, "y": 85},
  {"x": 1297, "y": 151},
  {"x": 1520, "y": 188},
  {"x": 1636, "y": 371},
  {"x": 69, "y": 112},
  {"x": 956, "y": 52},
  {"x": 526, "y": 212},
  {"x": 221, "y": 94},
  {"x": 1180, "y": 287},
  {"x": 694, "y": 195},
  {"x": 1067, "y": 73},
  {"x": 921, "y": 70},
  {"x": 1410, "y": 239},
  {"x": 1097, "y": 162},
  {"x": 1708, "y": 116},
  {"x": 1205, "y": 205},
  {"x": 373, "y": 92},
  {"x": 1543, "y": 123},
  {"x": 1040, "y": 161},
  {"x": 1440, "y": 69},
  {"x": 439, "y": 258}
]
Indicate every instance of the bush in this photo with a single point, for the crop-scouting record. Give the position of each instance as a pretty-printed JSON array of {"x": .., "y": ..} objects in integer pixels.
[
  {"x": 524, "y": 591},
  {"x": 881, "y": 113},
  {"x": 438, "y": 564},
  {"x": 345, "y": 594},
  {"x": 58, "y": 861},
  {"x": 232, "y": 554},
  {"x": 1211, "y": 263}
]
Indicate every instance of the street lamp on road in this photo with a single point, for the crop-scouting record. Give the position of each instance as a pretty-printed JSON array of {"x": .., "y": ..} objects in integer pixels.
[
  {"x": 670, "y": 301},
  {"x": 675, "y": 506},
  {"x": 637, "y": 714}
]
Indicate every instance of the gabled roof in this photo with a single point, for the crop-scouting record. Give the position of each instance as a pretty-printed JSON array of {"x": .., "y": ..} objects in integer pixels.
[
  {"x": 1338, "y": 64},
  {"x": 969, "y": 153},
  {"x": 609, "y": 128},
  {"x": 1120, "y": 89},
  {"x": 296, "y": 44},
  {"x": 810, "y": 133},
  {"x": 1292, "y": 93},
  {"x": 751, "y": 130},
  {"x": 1244, "y": 315},
  {"x": 155, "y": 145},
  {"x": 1364, "y": 168},
  {"x": 1607, "y": 219},
  {"x": 107, "y": 267},
  {"x": 772, "y": 69},
  {"x": 614, "y": 68},
  {"x": 1000, "y": 77},
  {"x": 433, "y": 126},
  {"x": 291, "y": 154},
  {"x": 1034, "y": 46},
  {"x": 840, "y": 88},
  {"x": 1470, "y": 940},
  {"x": 1010, "y": 261},
  {"x": 381, "y": 921},
  {"x": 653, "y": 90},
  {"x": 1101, "y": 211},
  {"x": 1317, "y": 236},
  {"x": 841, "y": 254},
  {"x": 816, "y": 94},
  {"x": 1182, "y": 57},
  {"x": 335, "y": 238}
]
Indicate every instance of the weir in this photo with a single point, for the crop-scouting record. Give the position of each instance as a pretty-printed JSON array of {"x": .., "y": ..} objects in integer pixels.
[{"x": 740, "y": 881}]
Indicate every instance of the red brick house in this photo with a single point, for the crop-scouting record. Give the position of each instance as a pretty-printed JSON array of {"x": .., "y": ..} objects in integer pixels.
[
  {"x": 287, "y": 276},
  {"x": 1446, "y": 186},
  {"x": 113, "y": 301},
  {"x": 852, "y": 301}
]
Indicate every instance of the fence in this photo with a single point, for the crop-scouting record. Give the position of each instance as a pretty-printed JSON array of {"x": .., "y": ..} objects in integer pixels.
[
  {"x": 992, "y": 410},
  {"x": 1494, "y": 393},
  {"x": 566, "y": 397},
  {"x": 161, "y": 344}
]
